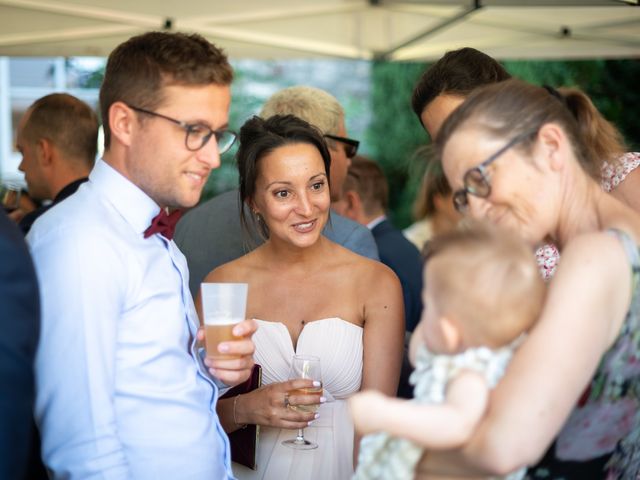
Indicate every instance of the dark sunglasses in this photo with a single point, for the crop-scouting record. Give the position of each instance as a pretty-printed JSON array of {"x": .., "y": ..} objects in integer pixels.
[
  {"x": 476, "y": 179},
  {"x": 351, "y": 145}
]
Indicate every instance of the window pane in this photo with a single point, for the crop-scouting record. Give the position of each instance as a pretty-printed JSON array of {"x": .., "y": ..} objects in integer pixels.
[
  {"x": 32, "y": 72},
  {"x": 85, "y": 72}
]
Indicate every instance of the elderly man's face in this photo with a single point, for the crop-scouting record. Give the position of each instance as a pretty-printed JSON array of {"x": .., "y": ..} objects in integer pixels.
[{"x": 339, "y": 164}]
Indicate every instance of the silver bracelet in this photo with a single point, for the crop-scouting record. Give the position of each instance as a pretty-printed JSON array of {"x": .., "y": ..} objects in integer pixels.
[{"x": 240, "y": 426}]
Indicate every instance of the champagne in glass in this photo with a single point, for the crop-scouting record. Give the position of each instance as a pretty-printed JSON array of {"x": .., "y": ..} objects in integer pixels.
[
  {"x": 306, "y": 391},
  {"x": 304, "y": 366},
  {"x": 10, "y": 196}
]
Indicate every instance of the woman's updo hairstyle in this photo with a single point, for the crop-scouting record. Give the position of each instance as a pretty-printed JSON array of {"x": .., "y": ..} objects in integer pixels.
[
  {"x": 513, "y": 107},
  {"x": 258, "y": 138}
]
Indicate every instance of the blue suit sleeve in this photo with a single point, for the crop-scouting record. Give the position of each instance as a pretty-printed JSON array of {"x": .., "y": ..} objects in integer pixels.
[{"x": 19, "y": 322}]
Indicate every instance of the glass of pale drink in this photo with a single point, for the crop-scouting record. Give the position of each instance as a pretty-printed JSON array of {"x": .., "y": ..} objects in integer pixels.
[
  {"x": 304, "y": 366},
  {"x": 223, "y": 306}
]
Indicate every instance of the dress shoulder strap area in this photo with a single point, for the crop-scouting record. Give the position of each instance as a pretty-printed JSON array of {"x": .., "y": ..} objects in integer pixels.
[{"x": 629, "y": 246}]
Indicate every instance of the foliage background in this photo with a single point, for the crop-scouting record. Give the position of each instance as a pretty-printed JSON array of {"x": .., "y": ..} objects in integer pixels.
[{"x": 394, "y": 133}]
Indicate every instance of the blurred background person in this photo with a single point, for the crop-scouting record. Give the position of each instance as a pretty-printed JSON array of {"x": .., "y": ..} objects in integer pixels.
[
  {"x": 58, "y": 140},
  {"x": 447, "y": 82},
  {"x": 211, "y": 234},
  {"x": 433, "y": 207},
  {"x": 20, "y": 323}
]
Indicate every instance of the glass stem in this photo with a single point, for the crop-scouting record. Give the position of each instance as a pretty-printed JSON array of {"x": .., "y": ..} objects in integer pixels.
[{"x": 300, "y": 437}]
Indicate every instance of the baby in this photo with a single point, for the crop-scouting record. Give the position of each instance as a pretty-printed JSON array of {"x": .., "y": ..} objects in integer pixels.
[{"x": 482, "y": 292}]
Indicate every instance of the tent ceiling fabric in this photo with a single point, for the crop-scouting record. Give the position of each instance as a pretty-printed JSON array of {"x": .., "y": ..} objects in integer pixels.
[{"x": 356, "y": 29}]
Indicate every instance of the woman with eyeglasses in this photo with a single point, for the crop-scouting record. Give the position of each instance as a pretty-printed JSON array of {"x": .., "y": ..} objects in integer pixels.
[{"x": 514, "y": 155}]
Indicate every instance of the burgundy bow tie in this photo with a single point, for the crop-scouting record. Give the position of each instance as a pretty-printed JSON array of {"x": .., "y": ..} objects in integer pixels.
[{"x": 163, "y": 224}]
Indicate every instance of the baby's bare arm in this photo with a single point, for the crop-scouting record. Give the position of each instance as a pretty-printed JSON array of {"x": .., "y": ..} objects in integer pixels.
[{"x": 443, "y": 426}]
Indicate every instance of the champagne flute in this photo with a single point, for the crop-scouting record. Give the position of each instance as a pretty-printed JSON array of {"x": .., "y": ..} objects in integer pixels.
[
  {"x": 304, "y": 366},
  {"x": 10, "y": 196}
]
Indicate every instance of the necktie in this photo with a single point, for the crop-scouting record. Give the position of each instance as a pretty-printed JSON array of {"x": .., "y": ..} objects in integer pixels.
[{"x": 164, "y": 224}]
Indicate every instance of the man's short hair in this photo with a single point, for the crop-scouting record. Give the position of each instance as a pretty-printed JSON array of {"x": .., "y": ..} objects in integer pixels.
[
  {"x": 458, "y": 72},
  {"x": 68, "y": 123},
  {"x": 138, "y": 70},
  {"x": 367, "y": 179},
  {"x": 313, "y": 105}
]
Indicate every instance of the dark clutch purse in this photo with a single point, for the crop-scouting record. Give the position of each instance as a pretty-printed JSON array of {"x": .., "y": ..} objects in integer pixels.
[{"x": 244, "y": 441}]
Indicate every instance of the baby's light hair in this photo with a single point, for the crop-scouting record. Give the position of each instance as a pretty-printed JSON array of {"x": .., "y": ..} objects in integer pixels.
[{"x": 485, "y": 280}]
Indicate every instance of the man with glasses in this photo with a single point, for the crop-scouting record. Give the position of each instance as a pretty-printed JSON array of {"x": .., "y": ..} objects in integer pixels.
[
  {"x": 123, "y": 391},
  {"x": 211, "y": 234}
]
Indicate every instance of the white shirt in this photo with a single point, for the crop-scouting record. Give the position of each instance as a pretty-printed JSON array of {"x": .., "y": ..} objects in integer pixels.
[
  {"x": 376, "y": 221},
  {"x": 120, "y": 392}
]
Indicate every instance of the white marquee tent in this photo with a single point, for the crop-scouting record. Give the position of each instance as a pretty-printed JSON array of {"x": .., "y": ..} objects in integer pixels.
[{"x": 386, "y": 29}]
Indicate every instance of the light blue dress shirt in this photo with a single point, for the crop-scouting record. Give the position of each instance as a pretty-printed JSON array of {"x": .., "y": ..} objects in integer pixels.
[{"x": 121, "y": 393}]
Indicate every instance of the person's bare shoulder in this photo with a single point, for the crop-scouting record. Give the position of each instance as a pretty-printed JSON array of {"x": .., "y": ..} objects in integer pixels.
[{"x": 371, "y": 273}]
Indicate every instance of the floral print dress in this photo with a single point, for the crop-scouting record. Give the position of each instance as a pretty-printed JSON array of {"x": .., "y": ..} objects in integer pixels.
[
  {"x": 601, "y": 438},
  {"x": 613, "y": 173},
  {"x": 383, "y": 457}
]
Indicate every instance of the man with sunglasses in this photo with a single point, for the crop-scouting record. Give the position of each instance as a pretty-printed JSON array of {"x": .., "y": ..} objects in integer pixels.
[
  {"x": 211, "y": 234},
  {"x": 123, "y": 391}
]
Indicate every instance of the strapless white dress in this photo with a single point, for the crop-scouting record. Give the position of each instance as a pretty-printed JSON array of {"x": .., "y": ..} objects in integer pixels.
[{"x": 338, "y": 343}]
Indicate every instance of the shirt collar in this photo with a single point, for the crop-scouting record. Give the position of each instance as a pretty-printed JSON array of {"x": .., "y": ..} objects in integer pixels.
[
  {"x": 69, "y": 189},
  {"x": 135, "y": 206},
  {"x": 376, "y": 221}
]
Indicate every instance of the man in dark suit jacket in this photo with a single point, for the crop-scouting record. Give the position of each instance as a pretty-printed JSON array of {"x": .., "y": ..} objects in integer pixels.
[
  {"x": 19, "y": 323},
  {"x": 211, "y": 234}
]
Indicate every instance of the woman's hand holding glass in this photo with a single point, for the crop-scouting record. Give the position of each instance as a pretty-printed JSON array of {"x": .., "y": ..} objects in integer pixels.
[
  {"x": 275, "y": 405},
  {"x": 304, "y": 366}
]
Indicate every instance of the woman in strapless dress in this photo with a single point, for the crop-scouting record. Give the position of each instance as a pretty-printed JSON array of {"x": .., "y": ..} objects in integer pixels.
[{"x": 310, "y": 296}]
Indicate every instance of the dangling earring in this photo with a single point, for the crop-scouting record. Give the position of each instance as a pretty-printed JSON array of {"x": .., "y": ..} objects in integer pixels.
[{"x": 258, "y": 216}]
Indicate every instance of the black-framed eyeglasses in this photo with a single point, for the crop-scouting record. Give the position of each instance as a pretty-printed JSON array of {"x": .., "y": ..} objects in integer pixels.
[
  {"x": 476, "y": 179},
  {"x": 351, "y": 145},
  {"x": 197, "y": 134}
]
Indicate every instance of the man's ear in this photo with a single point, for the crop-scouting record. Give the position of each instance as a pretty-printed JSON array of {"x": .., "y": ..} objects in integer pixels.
[
  {"x": 45, "y": 151},
  {"x": 450, "y": 333},
  {"x": 122, "y": 121},
  {"x": 353, "y": 204}
]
